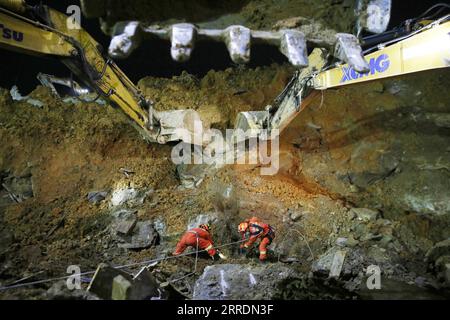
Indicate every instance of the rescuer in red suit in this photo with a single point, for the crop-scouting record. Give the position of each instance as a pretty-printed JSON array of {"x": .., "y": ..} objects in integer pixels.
[{"x": 258, "y": 230}]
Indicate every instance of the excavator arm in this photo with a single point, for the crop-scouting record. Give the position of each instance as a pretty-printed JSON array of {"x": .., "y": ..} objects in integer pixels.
[{"x": 43, "y": 31}]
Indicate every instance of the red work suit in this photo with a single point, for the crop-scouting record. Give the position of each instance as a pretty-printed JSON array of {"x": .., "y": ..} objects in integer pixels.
[
  {"x": 190, "y": 238},
  {"x": 260, "y": 230}
]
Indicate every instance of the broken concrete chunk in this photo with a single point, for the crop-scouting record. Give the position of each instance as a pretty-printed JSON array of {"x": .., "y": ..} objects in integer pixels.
[
  {"x": 234, "y": 281},
  {"x": 144, "y": 236},
  {"x": 110, "y": 283},
  {"x": 16, "y": 96},
  {"x": 160, "y": 226},
  {"x": 60, "y": 291},
  {"x": 183, "y": 36},
  {"x": 191, "y": 176},
  {"x": 126, "y": 225},
  {"x": 6, "y": 239},
  {"x": 96, "y": 197},
  {"x": 102, "y": 282},
  {"x": 364, "y": 214}
]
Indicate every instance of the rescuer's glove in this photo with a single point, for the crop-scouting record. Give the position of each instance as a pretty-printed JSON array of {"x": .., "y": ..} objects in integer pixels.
[{"x": 222, "y": 256}]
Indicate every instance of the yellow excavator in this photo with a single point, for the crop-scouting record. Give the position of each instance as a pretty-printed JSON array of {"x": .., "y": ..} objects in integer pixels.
[{"x": 418, "y": 45}]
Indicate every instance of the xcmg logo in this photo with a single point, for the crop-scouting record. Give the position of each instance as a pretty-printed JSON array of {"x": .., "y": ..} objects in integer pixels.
[
  {"x": 377, "y": 65},
  {"x": 10, "y": 34}
]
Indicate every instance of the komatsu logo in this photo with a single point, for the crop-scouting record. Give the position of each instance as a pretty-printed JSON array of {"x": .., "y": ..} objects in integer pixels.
[
  {"x": 377, "y": 65},
  {"x": 10, "y": 34}
]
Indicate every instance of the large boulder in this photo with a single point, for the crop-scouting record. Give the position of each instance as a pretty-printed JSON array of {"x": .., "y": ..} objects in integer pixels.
[
  {"x": 60, "y": 291},
  {"x": 236, "y": 282},
  {"x": 209, "y": 218},
  {"x": 143, "y": 236}
]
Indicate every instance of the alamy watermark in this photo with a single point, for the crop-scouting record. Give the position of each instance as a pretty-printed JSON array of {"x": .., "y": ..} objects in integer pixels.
[
  {"x": 235, "y": 146},
  {"x": 73, "y": 282},
  {"x": 373, "y": 282}
]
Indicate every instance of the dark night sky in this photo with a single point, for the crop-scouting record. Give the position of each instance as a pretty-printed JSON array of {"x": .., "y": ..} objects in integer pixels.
[{"x": 154, "y": 58}]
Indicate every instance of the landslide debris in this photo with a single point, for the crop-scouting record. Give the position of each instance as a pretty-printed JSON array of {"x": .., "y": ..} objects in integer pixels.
[{"x": 340, "y": 192}]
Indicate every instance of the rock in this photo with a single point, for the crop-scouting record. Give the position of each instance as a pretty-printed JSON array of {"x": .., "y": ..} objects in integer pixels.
[
  {"x": 124, "y": 222},
  {"x": 378, "y": 255},
  {"x": 144, "y": 236},
  {"x": 126, "y": 226},
  {"x": 109, "y": 283},
  {"x": 160, "y": 226},
  {"x": 60, "y": 291},
  {"x": 421, "y": 281},
  {"x": 447, "y": 275},
  {"x": 439, "y": 249},
  {"x": 121, "y": 288},
  {"x": 364, "y": 214},
  {"x": 338, "y": 262},
  {"x": 347, "y": 242},
  {"x": 236, "y": 282},
  {"x": 145, "y": 286},
  {"x": 129, "y": 196},
  {"x": 210, "y": 218},
  {"x": 18, "y": 189},
  {"x": 102, "y": 282},
  {"x": 6, "y": 239},
  {"x": 96, "y": 197},
  {"x": 296, "y": 215},
  {"x": 330, "y": 263},
  {"x": 192, "y": 175}
]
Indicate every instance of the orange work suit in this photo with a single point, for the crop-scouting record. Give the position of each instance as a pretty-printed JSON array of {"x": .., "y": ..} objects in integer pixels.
[
  {"x": 260, "y": 230},
  {"x": 193, "y": 237}
]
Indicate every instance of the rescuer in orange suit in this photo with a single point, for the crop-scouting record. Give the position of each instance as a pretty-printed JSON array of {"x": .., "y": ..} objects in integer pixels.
[
  {"x": 258, "y": 230},
  {"x": 198, "y": 238}
]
